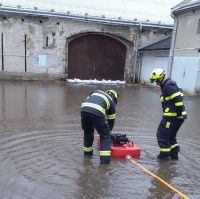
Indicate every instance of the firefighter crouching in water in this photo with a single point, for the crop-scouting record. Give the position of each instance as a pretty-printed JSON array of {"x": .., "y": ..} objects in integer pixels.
[
  {"x": 98, "y": 112},
  {"x": 174, "y": 114}
]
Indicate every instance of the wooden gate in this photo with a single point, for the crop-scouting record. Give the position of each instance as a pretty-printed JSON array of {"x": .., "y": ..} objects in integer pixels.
[{"x": 96, "y": 56}]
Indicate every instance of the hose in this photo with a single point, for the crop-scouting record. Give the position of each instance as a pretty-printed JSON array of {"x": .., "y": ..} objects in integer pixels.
[{"x": 128, "y": 157}]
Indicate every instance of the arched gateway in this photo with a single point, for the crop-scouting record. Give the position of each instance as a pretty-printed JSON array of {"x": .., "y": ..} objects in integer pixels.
[{"x": 96, "y": 56}]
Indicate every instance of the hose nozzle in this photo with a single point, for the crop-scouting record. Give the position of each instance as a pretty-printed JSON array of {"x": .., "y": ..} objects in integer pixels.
[{"x": 128, "y": 157}]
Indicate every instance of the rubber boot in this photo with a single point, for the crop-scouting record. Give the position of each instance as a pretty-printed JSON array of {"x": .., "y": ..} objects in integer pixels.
[
  {"x": 174, "y": 153},
  {"x": 174, "y": 156},
  {"x": 88, "y": 153},
  {"x": 163, "y": 156},
  {"x": 104, "y": 159}
]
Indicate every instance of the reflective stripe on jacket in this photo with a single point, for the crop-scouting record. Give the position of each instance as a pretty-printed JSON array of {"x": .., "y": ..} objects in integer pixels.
[
  {"x": 100, "y": 104},
  {"x": 172, "y": 100}
]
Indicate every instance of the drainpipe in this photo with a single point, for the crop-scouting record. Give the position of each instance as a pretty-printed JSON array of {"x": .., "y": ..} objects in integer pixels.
[
  {"x": 171, "y": 53},
  {"x": 140, "y": 27},
  {"x": 139, "y": 57},
  {"x": 135, "y": 69}
]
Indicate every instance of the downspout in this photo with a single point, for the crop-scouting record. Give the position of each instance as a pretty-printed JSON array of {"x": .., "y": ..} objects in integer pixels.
[
  {"x": 136, "y": 68},
  {"x": 171, "y": 53},
  {"x": 140, "y": 27},
  {"x": 140, "y": 54},
  {"x": 139, "y": 60}
]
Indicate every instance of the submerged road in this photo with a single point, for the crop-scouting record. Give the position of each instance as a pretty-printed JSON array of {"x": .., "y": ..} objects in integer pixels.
[{"x": 41, "y": 145}]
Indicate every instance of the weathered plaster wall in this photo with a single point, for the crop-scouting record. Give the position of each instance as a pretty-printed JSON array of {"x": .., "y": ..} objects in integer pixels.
[
  {"x": 186, "y": 51},
  {"x": 46, "y": 42}
]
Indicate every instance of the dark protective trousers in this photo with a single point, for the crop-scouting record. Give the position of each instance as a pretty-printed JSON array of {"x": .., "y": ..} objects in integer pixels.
[
  {"x": 166, "y": 137},
  {"x": 90, "y": 122}
]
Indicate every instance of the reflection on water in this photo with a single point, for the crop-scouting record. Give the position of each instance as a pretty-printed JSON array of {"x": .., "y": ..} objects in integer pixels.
[
  {"x": 93, "y": 181},
  {"x": 41, "y": 143}
]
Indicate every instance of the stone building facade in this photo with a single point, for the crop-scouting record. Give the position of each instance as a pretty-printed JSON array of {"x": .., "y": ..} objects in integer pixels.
[{"x": 36, "y": 46}]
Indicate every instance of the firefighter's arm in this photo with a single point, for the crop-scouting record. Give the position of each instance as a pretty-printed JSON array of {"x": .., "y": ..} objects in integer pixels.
[
  {"x": 111, "y": 124},
  {"x": 111, "y": 115},
  {"x": 179, "y": 106},
  {"x": 177, "y": 97}
]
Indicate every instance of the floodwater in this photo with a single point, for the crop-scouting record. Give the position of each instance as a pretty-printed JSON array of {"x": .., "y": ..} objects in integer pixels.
[{"x": 41, "y": 144}]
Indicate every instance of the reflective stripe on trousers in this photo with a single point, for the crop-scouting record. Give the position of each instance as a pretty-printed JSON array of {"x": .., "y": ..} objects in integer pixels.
[{"x": 105, "y": 153}]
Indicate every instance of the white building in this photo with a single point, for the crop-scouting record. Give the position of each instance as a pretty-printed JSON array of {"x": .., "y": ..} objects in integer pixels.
[{"x": 185, "y": 49}]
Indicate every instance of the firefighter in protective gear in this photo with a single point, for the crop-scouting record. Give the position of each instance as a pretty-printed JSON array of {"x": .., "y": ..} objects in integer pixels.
[
  {"x": 174, "y": 114},
  {"x": 98, "y": 112}
]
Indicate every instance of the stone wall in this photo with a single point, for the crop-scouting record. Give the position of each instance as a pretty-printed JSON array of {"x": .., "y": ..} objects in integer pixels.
[{"x": 39, "y": 45}]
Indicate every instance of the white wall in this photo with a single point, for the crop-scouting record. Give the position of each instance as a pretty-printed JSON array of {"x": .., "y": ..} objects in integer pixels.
[
  {"x": 150, "y": 62},
  {"x": 186, "y": 55},
  {"x": 184, "y": 72}
]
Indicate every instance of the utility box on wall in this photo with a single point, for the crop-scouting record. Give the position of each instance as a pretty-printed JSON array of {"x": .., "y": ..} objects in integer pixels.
[{"x": 42, "y": 60}]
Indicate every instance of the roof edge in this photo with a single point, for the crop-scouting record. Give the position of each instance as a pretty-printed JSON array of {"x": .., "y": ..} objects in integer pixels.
[
  {"x": 104, "y": 20},
  {"x": 180, "y": 7},
  {"x": 155, "y": 42}
]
